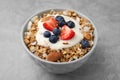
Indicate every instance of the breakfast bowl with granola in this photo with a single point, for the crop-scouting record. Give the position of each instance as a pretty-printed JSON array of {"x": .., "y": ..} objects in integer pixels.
[{"x": 60, "y": 40}]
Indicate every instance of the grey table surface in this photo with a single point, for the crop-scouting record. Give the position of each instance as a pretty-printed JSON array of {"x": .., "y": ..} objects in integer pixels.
[{"x": 16, "y": 64}]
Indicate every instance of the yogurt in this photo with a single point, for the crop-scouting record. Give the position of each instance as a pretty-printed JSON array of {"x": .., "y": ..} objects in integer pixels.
[{"x": 59, "y": 44}]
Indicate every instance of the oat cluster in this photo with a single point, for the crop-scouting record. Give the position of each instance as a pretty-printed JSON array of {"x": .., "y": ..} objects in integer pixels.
[{"x": 61, "y": 55}]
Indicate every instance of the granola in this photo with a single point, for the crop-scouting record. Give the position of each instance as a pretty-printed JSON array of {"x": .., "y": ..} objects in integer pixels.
[{"x": 59, "y": 55}]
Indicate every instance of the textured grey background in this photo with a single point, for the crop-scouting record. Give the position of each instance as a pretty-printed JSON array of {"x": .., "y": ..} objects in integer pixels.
[{"x": 16, "y": 64}]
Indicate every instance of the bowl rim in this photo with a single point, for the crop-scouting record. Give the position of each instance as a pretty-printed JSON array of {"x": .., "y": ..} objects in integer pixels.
[{"x": 58, "y": 63}]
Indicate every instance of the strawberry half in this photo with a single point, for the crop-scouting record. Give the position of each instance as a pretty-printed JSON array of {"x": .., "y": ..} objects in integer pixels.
[
  {"x": 53, "y": 22},
  {"x": 50, "y": 24},
  {"x": 66, "y": 33}
]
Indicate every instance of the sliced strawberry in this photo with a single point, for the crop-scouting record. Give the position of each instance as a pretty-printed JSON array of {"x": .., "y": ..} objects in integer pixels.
[
  {"x": 66, "y": 33},
  {"x": 50, "y": 24},
  {"x": 53, "y": 22}
]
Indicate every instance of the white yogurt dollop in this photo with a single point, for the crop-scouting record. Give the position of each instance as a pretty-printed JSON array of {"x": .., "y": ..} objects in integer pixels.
[{"x": 59, "y": 44}]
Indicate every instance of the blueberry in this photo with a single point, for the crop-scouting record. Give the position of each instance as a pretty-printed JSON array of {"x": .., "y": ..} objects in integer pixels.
[
  {"x": 47, "y": 34},
  {"x": 56, "y": 31},
  {"x": 59, "y": 18},
  {"x": 61, "y": 23},
  {"x": 85, "y": 43},
  {"x": 53, "y": 38},
  {"x": 70, "y": 24}
]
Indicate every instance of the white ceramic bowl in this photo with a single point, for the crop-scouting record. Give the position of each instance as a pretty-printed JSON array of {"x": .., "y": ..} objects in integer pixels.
[{"x": 55, "y": 67}]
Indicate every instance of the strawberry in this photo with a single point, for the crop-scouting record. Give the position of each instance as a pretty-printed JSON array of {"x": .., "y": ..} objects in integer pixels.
[
  {"x": 66, "y": 33},
  {"x": 53, "y": 22},
  {"x": 50, "y": 24}
]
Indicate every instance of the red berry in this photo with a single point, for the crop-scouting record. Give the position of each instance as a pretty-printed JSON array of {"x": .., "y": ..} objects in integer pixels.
[
  {"x": 66, "y": 33},
  {"x": 50, "y": 24},
  {"x": 53, "y": 22}
]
